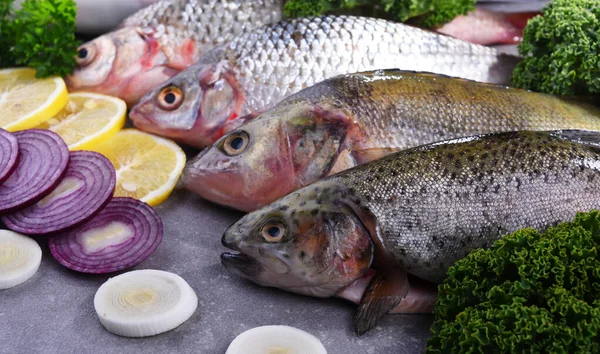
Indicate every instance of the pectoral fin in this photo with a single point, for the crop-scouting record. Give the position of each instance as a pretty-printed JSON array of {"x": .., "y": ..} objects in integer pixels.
[
  {"x": 384, "y": 293},
  {"x": 343, "y": 162},
  {"x": 368, "y": 155}
]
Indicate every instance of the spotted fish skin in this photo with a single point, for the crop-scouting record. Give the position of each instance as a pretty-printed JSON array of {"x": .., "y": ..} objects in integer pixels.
[
  {"x": 352, "y": 119},
  {"x": 435, "y": 204},
  {"x": 236, "y": 82},
  {"x": 160, "y": 40},
  {"x": 426, "y": 207}
]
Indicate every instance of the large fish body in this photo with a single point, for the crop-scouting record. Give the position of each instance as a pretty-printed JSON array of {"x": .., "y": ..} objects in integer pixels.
[
  {"x": 416, "y": 211},
  {"x": 356, "y": 118},
  {"x": 236, "y": 82},
  {"x": 162, "y": 39}
]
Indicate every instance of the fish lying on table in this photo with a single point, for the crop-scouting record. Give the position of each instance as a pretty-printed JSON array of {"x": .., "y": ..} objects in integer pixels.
[
  {"x": 162, "y": 39},
  {"x": 234, "y": 83},
  {"x": 352, "y": 119},
  {"x": 414, "y": 212}
]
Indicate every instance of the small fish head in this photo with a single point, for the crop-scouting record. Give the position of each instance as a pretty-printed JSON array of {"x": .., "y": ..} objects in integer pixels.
[
  {"x": 266, "y": 158},
  {"x": 300, "y": 246},
  {"x": 196, "y": 106},
  {"x": 125, "y": 63},
  {"x": 245, "y": 169}
]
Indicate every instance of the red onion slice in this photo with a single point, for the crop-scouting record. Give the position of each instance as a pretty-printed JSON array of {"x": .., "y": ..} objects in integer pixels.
[
  {"x": 85, "y": 188},
  {"x": 134, "y": 231},
  {"x": 9, "y": 151},
  {"x": 43, "y": 158}
]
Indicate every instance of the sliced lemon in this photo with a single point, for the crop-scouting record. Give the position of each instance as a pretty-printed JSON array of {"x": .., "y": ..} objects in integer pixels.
[
  {"x": 88, "y": 119},
  {"x": 26, "y": 101},
  {"x": 148, "y": 167}
]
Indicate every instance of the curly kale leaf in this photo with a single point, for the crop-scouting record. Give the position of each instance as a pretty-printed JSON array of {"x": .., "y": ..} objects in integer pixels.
[
  {"x": 561, "y": 50},
  {"x": 427, "y": 13},
  {"x": 530, "y": 292},
  {"x": 46, "y": 36},
  {"x": 41, "y": 35},
  {"x": 6, "y": 34}
]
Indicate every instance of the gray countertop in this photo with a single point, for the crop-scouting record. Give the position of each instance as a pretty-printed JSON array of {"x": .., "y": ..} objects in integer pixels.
[{"x": 53, "y": 312}]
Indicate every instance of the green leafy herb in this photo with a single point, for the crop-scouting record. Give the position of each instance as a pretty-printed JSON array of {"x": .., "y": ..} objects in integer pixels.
[
  {"x": 562, "y": 49},
  {"x": 530, "y": 292},
  {"x": 426, "y": 13},
  {"x": 6, "y": 33},
  {"x": 41, "y": 35}
]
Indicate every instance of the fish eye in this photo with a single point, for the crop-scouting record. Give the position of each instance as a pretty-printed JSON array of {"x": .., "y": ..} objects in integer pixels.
[
  {"x": 236, "y": 143},
  {"x": 85, "y": 54},
  {"x": 273, "y": 231},
  {"x": 170, "y": 98}
]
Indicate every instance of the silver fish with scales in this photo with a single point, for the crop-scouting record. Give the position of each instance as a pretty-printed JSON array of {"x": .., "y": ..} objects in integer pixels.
[
  {"x": 162, "y": 39},
  {"x": 235, "y": 82},
  {"x": 411, "y": 215}
]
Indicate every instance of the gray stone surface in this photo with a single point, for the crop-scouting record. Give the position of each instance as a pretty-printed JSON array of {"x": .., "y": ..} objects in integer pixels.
[{"x": 53, "y": 312}]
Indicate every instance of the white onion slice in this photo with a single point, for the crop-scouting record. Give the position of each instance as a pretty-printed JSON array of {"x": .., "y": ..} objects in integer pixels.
[
  {"x": 276, "y": 339},
  {"x": 144, "y": 303},
  {"x": 20, "y": 258}
]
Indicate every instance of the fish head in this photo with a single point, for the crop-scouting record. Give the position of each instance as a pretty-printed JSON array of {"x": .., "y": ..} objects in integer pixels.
[
  {"x": 283, "y": 149},
  {"x": 195, "y": 107},
  {"x": 125, "y": 63},
  {"x": 245, "y": 169},
  {"x": 300, "y": 246}
]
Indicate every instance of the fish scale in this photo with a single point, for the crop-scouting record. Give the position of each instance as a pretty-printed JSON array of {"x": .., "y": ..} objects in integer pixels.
[
  {"x": 435, "y": 204},
  {"x": 308, "y": 63},
  {"x": 208, "y": 22}
]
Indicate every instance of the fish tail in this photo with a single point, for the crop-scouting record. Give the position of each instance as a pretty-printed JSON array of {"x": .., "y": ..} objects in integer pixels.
[{"x": 501, "y": 72}]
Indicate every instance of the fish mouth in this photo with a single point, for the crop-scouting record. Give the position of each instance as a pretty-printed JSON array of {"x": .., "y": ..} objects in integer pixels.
[{"x": 241, "y": 264}]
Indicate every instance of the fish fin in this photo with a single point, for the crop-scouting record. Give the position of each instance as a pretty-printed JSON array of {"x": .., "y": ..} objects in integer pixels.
[
  {"x": 343, "y": 162},
  {"x": 586, "y": 137},
  {"x": 318, "y": 137},
  {"x": 500, "y": 72},
  {"x": 384, "y": 293},
  {"x": 340, "y": 117},
  {"x": 389, "y": 285},
  {"x": 420, "y": 298},
  {"x": 368, "y": 155}
]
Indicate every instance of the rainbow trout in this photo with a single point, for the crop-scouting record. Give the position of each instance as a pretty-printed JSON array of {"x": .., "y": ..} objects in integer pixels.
[
  {"x": 162, "y": 39},
  {"x": 415, "y": 212},
  {"x": 352, "y": 119},
  {"x": 234, "y": 83}
]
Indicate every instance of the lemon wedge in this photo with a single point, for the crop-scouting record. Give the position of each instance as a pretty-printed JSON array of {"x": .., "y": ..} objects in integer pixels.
[
  {"x": 148, "y": 167},
  {"x": 88, "y": 119},
  {"x": 26, "y": 101}
]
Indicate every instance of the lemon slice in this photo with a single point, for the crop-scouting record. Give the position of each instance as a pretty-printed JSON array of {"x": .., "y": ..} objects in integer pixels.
[
  {"x": 26, "y": 101},
  {"x": 88, "y": 119},
  {"x": 148, "y": 167}
]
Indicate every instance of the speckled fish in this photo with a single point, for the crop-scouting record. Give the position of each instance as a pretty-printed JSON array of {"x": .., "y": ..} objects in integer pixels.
[
  {"x": 256, "y": 70},
  {"x": 352, "y": 119},
  {"x": 414, "y": 213},
  {"x": 162, "y": 39}
]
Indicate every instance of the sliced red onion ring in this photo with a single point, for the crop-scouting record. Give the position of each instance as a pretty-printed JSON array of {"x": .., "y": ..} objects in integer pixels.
[
  {"x": 9, "y": 151},
  {"x": 123, "y": 234},
  {"x": 86, "y": 187},
  {"x": 43, "y": 158}
]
